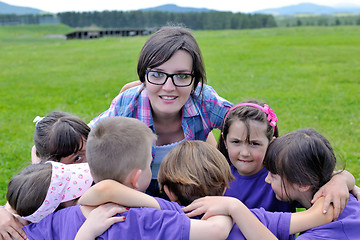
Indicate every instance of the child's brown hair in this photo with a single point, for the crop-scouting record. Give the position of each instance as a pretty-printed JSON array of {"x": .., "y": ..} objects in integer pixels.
[
  {"x": 117, "y": 145},
  {"x": 58, "y": 135},
  {"x": 194, "y": 169}
]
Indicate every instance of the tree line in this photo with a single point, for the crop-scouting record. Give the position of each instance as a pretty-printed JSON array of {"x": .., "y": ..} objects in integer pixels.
[
  {"x": 149, "y": 19},
  {"x": 318, "y": 20}
]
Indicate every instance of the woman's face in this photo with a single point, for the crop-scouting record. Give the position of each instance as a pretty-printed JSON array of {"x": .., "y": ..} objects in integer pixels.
[{"x": 167, "y": 100}]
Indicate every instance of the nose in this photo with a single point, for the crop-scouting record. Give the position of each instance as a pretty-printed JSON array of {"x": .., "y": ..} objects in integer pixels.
[
  {"x": 268, "y": 178},
  {"x": 244, "y": 151},
  {"x": 169, "y": 85}
]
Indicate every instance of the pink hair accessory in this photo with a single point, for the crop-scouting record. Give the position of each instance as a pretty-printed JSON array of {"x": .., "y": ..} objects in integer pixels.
[
  {"x": 68, "y": 182},
  {"x": 271, "y": 116}
]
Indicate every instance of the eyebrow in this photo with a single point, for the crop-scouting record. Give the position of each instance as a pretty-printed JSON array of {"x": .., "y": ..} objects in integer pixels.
[{"x": 177, "y": 71}]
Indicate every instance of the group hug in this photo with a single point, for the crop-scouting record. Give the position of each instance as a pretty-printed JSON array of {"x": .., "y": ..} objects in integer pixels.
[{"x": 149, "y": 166}]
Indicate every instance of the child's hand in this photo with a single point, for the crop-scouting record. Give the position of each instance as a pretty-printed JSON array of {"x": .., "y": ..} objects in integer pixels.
[
  {"x": 336, "y": 192},
  {"x": 210, "y": 205},
  {"x": 99, "y": 220}
]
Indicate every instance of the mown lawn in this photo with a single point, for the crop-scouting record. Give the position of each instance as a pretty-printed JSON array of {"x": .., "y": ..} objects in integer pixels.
[{"x": 308, "y": 75}]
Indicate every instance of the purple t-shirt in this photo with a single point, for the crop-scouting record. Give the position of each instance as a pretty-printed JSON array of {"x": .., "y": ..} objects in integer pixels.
[
  {"x": 140, "y": 223},
  {"x": 278, "y": 223},
  {"x": 347, "y": 226},
  {"x": 254, "y": 192}
]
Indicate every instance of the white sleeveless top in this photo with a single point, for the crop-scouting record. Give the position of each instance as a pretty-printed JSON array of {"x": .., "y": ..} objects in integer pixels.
[{"x": 160, "y": 152}]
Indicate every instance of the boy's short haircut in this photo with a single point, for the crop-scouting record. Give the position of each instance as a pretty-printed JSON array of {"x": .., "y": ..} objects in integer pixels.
[
  {"x": 117, "y": 145},
  {"x": 194, "y": 169}
]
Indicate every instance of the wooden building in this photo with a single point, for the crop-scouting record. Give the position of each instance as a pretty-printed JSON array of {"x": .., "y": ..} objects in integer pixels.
[{"x": 90, "y": 34}]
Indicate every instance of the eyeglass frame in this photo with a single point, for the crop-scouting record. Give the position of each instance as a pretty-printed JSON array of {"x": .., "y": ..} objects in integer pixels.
[{"x": 169, "y": 76}]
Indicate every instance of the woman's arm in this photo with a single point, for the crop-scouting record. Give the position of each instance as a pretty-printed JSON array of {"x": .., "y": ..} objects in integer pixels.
[
  {"x": 336, "y": 191},
  {"x": 112, "y": 191},
  {"x": 130, "y": 85},
  {"x": 356, "y": 192},
  {"x": 313, "y": 217},
  {"x": 248, "y": 224}
]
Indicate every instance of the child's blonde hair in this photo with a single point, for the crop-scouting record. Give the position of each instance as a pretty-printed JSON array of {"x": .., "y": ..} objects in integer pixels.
[
  {"x": 194, "y": 169},
  {"x": 117, "y": 145}
]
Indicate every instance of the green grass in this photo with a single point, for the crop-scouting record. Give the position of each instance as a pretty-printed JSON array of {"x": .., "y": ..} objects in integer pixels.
[{"x": 308, "y": 75}]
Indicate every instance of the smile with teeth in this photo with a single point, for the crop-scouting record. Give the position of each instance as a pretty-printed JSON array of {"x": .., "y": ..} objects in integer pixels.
[{"x": 167, "y": 97}]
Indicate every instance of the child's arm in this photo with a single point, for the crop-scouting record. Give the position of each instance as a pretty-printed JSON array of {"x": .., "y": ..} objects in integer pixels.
[
  {"x": 248, "y": 224},
  {"x": 112, "y": 191},
  {"x": 313, "y": 217},
  {"x": 216, "y": 227},
  {"x": 99, "y": 220},
  {"x": 336, "y": 191}
]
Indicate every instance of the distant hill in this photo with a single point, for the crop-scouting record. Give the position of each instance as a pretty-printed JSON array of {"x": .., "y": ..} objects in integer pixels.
[
  {"x": 176, "y": 8},
  {"x": 11, "y": 9},
  {"x": 309, "y": 8}
]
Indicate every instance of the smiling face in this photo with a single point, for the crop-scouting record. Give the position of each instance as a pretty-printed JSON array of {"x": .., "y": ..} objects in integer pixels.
[
  {"x": 284, "y": 191},
  {"x": 247, "y": 155},
  {"x": 167, "y": 100}
]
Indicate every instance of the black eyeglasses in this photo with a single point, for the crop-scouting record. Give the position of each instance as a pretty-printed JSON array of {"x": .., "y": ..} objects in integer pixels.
[{"x": 178, "y": 79}]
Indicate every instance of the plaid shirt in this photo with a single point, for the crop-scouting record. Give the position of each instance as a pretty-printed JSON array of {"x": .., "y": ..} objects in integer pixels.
[{"x": 201, "y": 113}]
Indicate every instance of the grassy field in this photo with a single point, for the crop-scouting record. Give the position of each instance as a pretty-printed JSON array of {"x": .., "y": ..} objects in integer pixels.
[{"x": 308, "y": 75}]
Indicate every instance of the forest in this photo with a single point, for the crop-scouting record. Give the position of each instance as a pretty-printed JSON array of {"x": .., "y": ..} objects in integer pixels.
[{"x": 147, "y": 19}]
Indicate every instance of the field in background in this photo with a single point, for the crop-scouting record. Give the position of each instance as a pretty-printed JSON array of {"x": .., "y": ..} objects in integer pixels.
[{"x": 308, "y": 75}]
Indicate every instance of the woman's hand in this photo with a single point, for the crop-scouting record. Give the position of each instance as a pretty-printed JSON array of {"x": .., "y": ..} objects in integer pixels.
[
  {"x": 10, "y": 226},
  {"x": 336, "y": 192}
]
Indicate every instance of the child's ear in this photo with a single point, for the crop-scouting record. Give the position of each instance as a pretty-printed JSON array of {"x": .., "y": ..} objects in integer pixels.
[
  {"x": 134, "y": 177},
  {"x": 304, "y": 188},
  {"x": 170, "y": 194}
]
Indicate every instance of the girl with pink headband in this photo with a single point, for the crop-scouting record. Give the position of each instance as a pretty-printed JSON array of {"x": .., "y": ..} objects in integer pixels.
[
  {"x": 247, "y": 130},
  {"x": 40, "y": 189}
]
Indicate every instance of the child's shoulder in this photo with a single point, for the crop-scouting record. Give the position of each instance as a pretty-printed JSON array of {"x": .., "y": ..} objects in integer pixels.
[
  {"x": 168, "y": 205},
  {"x": 62, "y": 224}
]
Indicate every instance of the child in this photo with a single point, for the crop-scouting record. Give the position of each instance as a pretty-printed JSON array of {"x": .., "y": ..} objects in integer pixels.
[
  {"x": 120, "y": 149},
  {"x": 195, "y": 169},
  {"x": 40, "y": 189},
  {"x": 60, "y": 137},
  {"x": 299, "y": 163},
  {"x": 247, "y": 130},
  {"x": 173, "y": 99}
]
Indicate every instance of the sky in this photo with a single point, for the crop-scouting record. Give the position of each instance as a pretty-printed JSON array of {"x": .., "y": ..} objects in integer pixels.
[{"x": 55, "y": 6}]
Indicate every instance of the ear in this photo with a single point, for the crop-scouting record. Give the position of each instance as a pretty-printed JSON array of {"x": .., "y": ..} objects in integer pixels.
[
  {"x": 273, "y": 138},
  {"x": 170, "y": 194},
  {"x": 304, "y": 188},
  {"x": 134, "y": 177}
]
